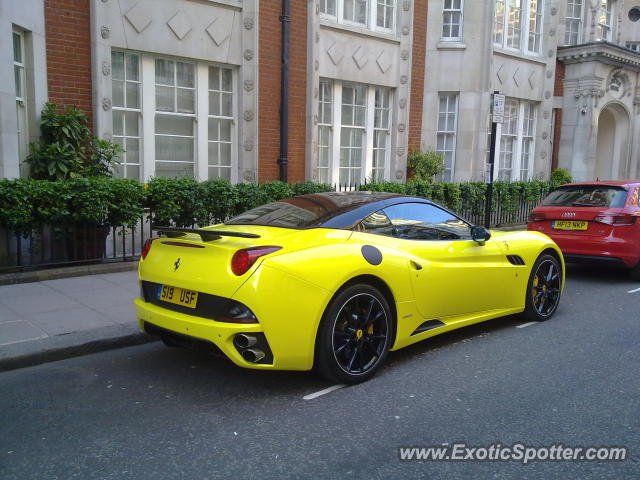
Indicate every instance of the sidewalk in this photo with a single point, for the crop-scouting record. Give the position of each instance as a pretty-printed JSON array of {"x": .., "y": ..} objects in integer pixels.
[{"x": 54, "y": 319}]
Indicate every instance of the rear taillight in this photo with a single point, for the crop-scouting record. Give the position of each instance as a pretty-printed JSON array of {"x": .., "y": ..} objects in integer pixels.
[
  {"x": 537, "y": 217},
  {"x": 243, "y": 259},
  {"x": 146, "y": 248},
  {"x": 616, "y": 219}
]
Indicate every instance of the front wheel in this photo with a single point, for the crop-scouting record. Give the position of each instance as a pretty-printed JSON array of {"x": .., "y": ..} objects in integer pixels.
[
  {"x": 543, "y": 289},
  {"x": 354, "y": 335}
]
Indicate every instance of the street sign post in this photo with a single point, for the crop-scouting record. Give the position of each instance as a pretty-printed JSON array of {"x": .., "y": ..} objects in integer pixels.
[{"x": 497, "y": 116}]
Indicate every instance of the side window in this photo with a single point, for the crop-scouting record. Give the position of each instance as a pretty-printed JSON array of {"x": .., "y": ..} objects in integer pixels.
[
  {"x": 419, "y": 221},
  {"x": 377, "y": 223}
]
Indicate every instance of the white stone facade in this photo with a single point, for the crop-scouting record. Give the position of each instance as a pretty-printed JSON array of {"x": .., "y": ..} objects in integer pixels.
[
  {"x": 472, "y": 66},
  {"x": 20, "y": 110},
  {"x": 221, "y": 34}
]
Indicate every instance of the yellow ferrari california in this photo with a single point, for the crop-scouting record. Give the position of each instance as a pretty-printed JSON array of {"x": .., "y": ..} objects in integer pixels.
[{"x": 333, "y": 281}]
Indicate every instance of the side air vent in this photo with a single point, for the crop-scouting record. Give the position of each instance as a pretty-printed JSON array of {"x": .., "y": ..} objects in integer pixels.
[
  {"x": 428, "y": 325},
  {"x": 515, "y": 260}
]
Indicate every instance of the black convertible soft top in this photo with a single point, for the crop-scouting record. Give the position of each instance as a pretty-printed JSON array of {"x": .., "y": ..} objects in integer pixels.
[{"x": 321, "y": 210}]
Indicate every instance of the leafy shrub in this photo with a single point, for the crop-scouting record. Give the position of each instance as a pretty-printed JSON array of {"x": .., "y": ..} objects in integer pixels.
[
  {"x": 277, "y": 190},
  {"x": 424, "y": 166},
  {"x": 217, "y": 198},
  {"x": 303, "y": 188},
  {"x": 67, "y": 149},
  {"x": 560, "y": 176}
]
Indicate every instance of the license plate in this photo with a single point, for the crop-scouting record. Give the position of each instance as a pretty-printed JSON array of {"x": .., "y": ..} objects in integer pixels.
[
  {"x": 570, "y": 225},
  {"x": 177, "y": 295}
]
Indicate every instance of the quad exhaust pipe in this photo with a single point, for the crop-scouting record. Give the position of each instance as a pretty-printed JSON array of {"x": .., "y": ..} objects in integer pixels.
[
  {"x": 244, "y": 340},
  {"x": 253, "y": 355}
]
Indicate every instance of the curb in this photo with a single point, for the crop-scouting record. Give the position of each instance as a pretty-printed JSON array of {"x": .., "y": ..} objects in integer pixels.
[
  {"x": 66, "y": 272},
  {"x": 28, "y": 354}
]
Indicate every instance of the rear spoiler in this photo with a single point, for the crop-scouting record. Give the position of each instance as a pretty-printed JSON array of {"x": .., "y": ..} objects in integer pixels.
[{"x": 206, "y": 235}]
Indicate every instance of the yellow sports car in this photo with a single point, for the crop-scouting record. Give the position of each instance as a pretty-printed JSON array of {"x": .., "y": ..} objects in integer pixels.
[{"x": 333, "y": 281}]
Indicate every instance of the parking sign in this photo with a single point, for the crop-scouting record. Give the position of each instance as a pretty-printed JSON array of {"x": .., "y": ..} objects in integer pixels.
[{"x": 498, "y": 108}]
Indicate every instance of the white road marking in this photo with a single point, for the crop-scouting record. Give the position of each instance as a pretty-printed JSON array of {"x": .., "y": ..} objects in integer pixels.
[
  {"x": 526, "y": 324},
  {"x": 311, "y": 396},
  {"x": 634, "y": 291}
]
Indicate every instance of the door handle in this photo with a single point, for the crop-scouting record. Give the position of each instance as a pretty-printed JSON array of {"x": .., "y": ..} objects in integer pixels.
[{"x": 416, "y": 265}]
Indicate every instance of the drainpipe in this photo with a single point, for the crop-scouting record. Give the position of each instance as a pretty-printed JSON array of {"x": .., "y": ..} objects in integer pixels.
[{"x": 283, "y": 160}]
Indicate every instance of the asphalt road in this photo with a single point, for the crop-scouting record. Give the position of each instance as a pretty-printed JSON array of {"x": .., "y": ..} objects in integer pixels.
[{"x": 149, "y": 412}]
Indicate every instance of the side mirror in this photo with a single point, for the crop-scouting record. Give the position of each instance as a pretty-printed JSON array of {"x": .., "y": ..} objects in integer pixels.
[{"x": 480, "y": 234}]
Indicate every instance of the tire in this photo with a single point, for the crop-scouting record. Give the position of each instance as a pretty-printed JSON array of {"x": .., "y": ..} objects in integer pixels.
[
  {"x": 635, "y": 272},
  {"x": 354, "y": 335},
  {"x": 544, "y": 289}
]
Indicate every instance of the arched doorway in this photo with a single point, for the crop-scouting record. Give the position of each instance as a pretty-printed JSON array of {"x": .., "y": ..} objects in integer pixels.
[{"x": 612, "y": 150}]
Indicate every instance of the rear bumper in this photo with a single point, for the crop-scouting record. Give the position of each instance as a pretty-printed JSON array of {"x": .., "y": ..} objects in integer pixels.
[
  {"x": 153, "y": 319},
  {"x": 288, "y": 310},
  {"x": 604, "y": 249}
]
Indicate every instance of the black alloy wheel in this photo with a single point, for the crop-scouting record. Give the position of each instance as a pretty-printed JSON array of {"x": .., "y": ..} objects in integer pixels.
[
  {"x": 354, "y": 336},
  {"x": 544, "y": 288}
]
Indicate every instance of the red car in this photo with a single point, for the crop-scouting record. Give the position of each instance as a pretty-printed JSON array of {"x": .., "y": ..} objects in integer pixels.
[{"x": 594, "y": 222}]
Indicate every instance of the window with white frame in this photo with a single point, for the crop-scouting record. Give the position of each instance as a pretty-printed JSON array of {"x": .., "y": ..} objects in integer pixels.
[
  {"x": 516, "y": 140},
  {"x": 354, "y": 131},
  {"x": 535, "y": 26},
  {"x": 528, "y": 138},
  {"x": 19, "y": 71},
  {"x": 220, "y": 122},
  {"x": 325, "y": 130},
  {"x": 446, "y": 134},
  {"x": 381, "y": 133},
  {"x": 452, "y": 20},
  {"x": 184, "y": 94},
  {"x": 573, "y": 22},
  {"x": 518, "y": 25},
  {"x": 175, "y": 118},
  {"x": 125, "y": 87},
  {"x": 603, "y": 17},
  {"x": 371, "y": 14}
]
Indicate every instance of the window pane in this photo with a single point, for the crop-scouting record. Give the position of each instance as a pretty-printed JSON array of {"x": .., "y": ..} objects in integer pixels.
[
  {"x": 174, "y": 170},
  {"x": 131, "y": 122},
  {"x": 133, "y": 98},
  {"x": 214, "y": 129},
  {"x": 355, "y": 11},
  {"x": 417, "y": 221},
  {"x": 118, "y": 122},
  {"x": 186, "y": 100},
  {"x": 328, "y": 7},
  {"x": 174, "y": 148},
  {"x": 17, "y": 48},
  {"x": 214, "y": 78},
  {"x": 117, "y": 65},
  {"x": 17, "y": 72},
  {"x": 132, "y": 171},
  {"x": 132, "y": 68},
  {"x": 227, "y": 80},
  {"x": 133, "y": 150},
  {"x": 165, "y": 100},
  {"x": 174, "y": 125},
  {"x": 226, "y": 100},
  {"x": 186, "y": 75},
  {"x": 117, "y": 92},
  {"x": 165, "y": 72}
]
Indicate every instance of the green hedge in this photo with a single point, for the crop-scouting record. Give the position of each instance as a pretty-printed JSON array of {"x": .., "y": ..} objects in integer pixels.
[{"x": 27, "y": 205}]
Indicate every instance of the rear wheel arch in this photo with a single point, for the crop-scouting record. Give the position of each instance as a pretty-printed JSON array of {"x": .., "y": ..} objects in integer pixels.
[{"x": 380, "y": 285}]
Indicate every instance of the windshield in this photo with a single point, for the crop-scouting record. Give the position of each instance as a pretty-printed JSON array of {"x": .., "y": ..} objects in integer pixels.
[{"x": 587, "y": 196}]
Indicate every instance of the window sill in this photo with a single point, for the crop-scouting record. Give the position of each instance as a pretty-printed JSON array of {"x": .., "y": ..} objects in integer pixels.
[
  {"x": 521, "y": 55},
  {"x": 451, "y": 45},
  {"x": 358, "y": 30},
  {"x": 229, "y": 3}
]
